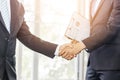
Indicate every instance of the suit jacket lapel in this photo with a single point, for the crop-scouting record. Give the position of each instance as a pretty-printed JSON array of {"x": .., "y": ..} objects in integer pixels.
[
  {"x": 4, "y": 26},
  {"x": 101, "y": 3},
  {"x": 1, "y": 19},
  {"x": 13, "y": 13}
]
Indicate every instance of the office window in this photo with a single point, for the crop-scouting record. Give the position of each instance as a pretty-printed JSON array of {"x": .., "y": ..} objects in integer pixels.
[{"x": 48, "y": 19}]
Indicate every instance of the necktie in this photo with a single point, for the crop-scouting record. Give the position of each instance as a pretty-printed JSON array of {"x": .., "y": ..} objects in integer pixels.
[{"x": 5, "y": 14}]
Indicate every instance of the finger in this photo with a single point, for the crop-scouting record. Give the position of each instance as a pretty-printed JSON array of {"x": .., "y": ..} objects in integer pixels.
[
  {"x": 68, "y": 53},
  {"x": 70, "y": 57},
  {"x": 65, "y": 54},
  {"x": 64, "y": 50}
]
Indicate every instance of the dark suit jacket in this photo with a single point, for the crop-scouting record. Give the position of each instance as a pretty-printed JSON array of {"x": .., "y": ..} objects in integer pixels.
[
  {"x": 104, "y": 41},
  {"x": 20, "y": 30}
]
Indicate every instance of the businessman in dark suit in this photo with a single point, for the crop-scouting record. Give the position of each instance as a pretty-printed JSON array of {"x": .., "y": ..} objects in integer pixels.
[
  {"x": 103, "y": 44},
  {"x": 13, "y": 26}
]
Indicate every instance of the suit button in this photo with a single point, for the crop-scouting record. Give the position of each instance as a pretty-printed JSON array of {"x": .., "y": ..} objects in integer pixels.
[{"x": 7, "y": 39}]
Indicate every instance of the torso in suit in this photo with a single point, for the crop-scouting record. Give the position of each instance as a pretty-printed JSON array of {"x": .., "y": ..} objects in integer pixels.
[
  {"x": 19, "y": 29},
  {"x": 104, "y": 41}
]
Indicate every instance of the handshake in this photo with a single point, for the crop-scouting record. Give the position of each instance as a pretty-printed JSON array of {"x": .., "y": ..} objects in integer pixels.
[{"x": 70, "y": 50}]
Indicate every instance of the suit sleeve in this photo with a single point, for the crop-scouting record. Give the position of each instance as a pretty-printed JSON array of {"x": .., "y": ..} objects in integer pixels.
[
  {"x": 35, "y": 43},
  {"x": 107, "y": 33}
]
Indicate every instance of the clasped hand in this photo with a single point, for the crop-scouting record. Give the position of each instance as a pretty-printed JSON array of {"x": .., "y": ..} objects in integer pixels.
[{"x": 70, "y": 50}]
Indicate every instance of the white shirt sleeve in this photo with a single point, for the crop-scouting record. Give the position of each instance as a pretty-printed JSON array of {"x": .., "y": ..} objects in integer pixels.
[{"x": 57, "y": 51}]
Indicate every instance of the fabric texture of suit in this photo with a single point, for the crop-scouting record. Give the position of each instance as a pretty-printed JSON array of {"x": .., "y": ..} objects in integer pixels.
[
  {"x": 20, "y": 30},
  {"x": 104, "y": 41}
]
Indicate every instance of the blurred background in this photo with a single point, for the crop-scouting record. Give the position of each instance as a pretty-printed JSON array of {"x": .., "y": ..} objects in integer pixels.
[{"x": 48, "y": 19}]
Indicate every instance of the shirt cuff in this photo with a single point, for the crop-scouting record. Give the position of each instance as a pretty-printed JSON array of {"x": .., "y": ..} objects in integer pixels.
[{"x": 57, "y": 51}]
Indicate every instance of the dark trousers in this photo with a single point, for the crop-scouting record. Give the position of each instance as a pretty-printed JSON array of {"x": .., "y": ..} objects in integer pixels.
[{"x": 102, "y": 74}]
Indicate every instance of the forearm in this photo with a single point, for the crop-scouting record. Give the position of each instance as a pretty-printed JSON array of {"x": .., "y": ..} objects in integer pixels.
[
  {"x": 104, "y": 32},
  {"x": 36, "y": 43}
]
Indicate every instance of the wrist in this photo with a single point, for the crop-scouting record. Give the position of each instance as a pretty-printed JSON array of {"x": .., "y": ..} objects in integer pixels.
[{"x": 80, "y": 45}]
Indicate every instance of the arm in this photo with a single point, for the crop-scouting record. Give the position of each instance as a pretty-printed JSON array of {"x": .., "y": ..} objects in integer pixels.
[
  {"x": 106, "y": 33},
  {"x": 35, "y": 43},
  {"x": 102, "y": 35}
]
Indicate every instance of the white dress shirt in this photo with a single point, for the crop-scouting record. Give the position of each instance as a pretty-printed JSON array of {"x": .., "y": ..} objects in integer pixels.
[
  {"x": 9, "y": 13},
  {"x": 57, "y": 51}
]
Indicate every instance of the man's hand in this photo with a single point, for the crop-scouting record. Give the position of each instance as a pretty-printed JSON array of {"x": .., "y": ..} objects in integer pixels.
[{"x": 70, "y": 50}]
